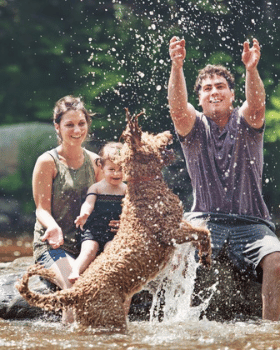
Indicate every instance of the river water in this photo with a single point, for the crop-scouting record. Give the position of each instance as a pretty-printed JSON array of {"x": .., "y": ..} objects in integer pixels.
[
  {"x": 191, "y": 335},
  {"x": 180, "y": 328}
]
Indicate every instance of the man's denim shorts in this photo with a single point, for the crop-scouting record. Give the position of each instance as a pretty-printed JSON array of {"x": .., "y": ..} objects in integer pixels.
[{"x": 247, "y": 240}]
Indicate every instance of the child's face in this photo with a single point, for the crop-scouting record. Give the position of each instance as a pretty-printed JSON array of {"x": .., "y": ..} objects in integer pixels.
[{"x": 112, "y": 173}]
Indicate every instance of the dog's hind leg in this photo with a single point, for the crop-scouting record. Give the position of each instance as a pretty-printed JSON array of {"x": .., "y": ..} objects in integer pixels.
[
  {"x": 116, "y": 318},
  {"x": 116, "y": 313},
  {"x": 105, "y": 310}
]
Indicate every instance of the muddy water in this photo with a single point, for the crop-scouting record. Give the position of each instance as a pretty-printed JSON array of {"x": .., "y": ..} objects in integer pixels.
[
  {"x": 179, "y": 330},
  {"x": 192, "y": 334}
]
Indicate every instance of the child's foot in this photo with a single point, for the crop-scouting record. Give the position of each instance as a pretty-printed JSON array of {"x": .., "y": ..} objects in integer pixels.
[{"x": 74, "y": 275}]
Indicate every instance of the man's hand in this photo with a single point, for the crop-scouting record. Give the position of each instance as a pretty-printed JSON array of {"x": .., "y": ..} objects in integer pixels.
[
  {"x": 54, "y": 236},
  {"x": 251, "y": 56},
  {"x": 177, "y": 51}
]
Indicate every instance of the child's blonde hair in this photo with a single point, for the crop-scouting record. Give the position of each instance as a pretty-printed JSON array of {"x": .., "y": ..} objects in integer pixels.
[{"x": 110, "y": 151}]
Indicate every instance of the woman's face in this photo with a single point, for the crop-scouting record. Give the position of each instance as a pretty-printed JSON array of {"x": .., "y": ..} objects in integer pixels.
[{"x": 73, "y": 128}]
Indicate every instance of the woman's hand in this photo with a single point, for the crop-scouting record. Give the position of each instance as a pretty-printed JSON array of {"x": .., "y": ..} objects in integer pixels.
[
  {"x": 115, "y": 225},
  {"x": 54, "y": 236}
]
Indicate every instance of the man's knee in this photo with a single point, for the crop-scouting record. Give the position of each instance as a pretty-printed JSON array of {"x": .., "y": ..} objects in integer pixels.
[
  {"x": 271, "y": 286},
  {"x": 271, "y": 264}
]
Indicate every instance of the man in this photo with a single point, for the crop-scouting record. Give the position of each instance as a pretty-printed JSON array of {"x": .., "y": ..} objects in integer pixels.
[{"x": 223, "y": 149}]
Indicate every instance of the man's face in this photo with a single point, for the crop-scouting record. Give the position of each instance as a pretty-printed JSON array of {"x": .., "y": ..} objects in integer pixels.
[{"x": 215, "y": 97}]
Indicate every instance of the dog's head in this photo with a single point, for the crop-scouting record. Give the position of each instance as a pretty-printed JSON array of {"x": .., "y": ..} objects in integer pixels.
[{"x": 143, "y": 154}]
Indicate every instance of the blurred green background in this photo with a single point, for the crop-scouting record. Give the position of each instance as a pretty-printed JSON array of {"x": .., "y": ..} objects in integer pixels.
[{"x": 115, "y": 54}]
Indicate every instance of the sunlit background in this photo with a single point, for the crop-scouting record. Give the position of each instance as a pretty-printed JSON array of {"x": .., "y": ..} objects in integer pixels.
[{"x": 115, "y": 55}]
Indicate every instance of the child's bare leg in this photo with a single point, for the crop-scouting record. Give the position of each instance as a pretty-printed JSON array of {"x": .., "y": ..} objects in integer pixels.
[
  {"x": 107, "y": 245},
  {"x": 88, "y": 253}
]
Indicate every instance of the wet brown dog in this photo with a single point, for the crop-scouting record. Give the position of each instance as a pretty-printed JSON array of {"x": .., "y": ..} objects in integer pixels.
[{"x": 151, "y": 221}]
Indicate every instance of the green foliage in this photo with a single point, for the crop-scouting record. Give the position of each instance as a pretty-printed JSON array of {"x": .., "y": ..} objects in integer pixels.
[
  {"x": 115, "y": 54},
  {"x": 272, "y": 133},
  {"x": 29, "y": 141},
  {"x": 11, "y": 184}
]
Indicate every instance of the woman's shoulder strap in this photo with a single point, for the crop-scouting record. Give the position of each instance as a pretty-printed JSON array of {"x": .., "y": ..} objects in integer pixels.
[
  {"x": 53, "y": 153},
  {"x": 89, "y": 160},
  {"x": 89, "y": 157}
]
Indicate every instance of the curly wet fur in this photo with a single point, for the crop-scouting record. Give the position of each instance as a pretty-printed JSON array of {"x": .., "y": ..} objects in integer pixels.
[{"x": 151, "y": 221}]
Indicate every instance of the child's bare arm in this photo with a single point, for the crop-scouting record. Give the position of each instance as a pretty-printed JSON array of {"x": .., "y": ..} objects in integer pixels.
[{"x": 86, "y": 209}]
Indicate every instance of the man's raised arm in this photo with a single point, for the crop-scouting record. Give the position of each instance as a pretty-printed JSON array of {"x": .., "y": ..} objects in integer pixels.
[
  {"x": 253, "y": 108},
  {"x": 182, "y": 113}
]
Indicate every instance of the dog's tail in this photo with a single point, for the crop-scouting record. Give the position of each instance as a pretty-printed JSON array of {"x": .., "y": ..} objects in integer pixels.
[{"x": 50, "y": 302}]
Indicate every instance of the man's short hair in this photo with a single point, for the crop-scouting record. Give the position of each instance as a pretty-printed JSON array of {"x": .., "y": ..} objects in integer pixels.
[{"x": 209, "y": 71}]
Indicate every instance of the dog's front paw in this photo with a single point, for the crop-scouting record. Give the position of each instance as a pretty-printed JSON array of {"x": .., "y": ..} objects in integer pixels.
[
  {"x": 205, "y": 250},
  {"x": 205, "y": 259}
]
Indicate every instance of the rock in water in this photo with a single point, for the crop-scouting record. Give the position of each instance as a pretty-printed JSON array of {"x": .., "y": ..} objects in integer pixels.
[{"x": 12, "y": 305}]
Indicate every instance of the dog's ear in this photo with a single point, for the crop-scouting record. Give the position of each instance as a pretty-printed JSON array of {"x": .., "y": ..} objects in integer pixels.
[
  {"x": 164, "y": 139},
  {"x": 161, "y": 141},
  {"x": 158, "y": 141},
  {"x": 132, "y": 134}
]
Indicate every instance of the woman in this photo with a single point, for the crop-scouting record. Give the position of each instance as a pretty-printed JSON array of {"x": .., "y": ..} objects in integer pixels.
[{"x": 61, "y": 178}]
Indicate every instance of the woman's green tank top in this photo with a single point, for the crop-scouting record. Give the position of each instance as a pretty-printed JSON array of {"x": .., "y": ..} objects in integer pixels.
[{"x": 68, "y": 193}]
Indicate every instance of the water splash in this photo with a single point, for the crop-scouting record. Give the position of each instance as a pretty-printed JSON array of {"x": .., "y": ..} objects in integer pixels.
[{"x": 173, "y": 289}]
